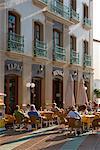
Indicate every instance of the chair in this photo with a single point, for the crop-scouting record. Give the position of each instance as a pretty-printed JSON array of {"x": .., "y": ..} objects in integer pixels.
[
  {"x": 35, "y": 122},
  {"x": 74, "y": 125},
  {"x": 48, "y": 118},
  {"x": 96, "y": 124},
  {"x": 9, "y": 121}
]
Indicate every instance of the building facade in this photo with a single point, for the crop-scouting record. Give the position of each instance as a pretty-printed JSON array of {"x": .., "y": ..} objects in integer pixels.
[{"x": 43, "y": 42}]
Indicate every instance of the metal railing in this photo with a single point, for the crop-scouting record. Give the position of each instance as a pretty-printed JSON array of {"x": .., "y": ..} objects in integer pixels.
[
  {"x": 40, "y": 49},
  {"x": 74, "y": 14},
  {"x": 87, "y": 22},
  {"x": 74, "y": 57},
  {"x": 59, "y": 53},
  {"x": 15, "y": 42},
  {"x": 59, "y": 9},
  {"x": 87, "y": 60}
]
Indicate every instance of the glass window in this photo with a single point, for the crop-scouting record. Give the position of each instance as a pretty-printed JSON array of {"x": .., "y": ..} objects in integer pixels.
[
  {"x": 73, "y": 42},
  {"x": 85, "y": 47},
  {"x": 12, "y": 23},
  {"x": 56, "y": 38},
  {"x": 37, "y": 31},
  {"x": 73, "y": 4},
  {"x": 85, "y": 9}
]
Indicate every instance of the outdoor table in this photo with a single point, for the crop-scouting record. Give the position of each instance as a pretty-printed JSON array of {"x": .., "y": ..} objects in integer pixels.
[
  {"x": 48, "y": 116},
  {"x": 87, "y": 119}
]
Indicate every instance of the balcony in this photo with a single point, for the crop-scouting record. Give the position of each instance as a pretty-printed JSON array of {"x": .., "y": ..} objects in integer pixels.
[
  {"x": 40, "y": 3},
  {"x": 59, "y": 12},
  {"x": 87, "y": 60},
  {"x": 15, "y": 43},
  {"x": 40, "y": 49},
  {"x": 59, "y": 54},
  {"x": 87, "y": 23},
  {"x": 74, "y": 16},
  {"x": 74, "y": 57}
]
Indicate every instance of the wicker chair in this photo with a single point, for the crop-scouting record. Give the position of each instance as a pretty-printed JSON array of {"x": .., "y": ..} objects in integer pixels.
[
  {"x": 96, "y": 124},
  {"x": 74, "y": 125},
  {"x": 35, "y": 122}
]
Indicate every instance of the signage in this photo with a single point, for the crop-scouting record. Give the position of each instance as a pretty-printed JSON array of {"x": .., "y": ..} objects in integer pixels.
[
  {"x": 58, "y": 73},
  {"x": 13, "y": 67}
]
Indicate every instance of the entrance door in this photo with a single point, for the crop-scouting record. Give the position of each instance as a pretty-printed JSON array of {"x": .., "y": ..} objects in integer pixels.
[
  {"x": 11, "y": 89},
  {"x": 58, "y": 92},
  {"x": 36, "y": 93}
]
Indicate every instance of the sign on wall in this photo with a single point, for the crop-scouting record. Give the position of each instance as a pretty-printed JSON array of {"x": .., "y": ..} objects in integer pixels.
[
  {"x": 13, "y": 67},
  {"x": 58, "y": 71}
]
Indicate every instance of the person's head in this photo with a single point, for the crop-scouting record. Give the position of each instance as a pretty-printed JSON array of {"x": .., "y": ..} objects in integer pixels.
[
  {"x": 73, "y": 108},
  {"x": 17, "y": 107},
  {"x": 33, "y": 108},
  {"x": 28, "y": 106},
  {"x": 54, "y": 105}
]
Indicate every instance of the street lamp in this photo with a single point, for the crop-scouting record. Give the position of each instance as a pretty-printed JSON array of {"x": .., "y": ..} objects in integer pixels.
[{"x": 30, "y": 85}]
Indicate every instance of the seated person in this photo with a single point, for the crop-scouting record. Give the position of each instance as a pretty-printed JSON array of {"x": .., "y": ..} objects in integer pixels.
[
  {"x": 34, "y": 112},
  {"x": 55, "y": 108},
  {"x": 73, "y": 113},
  {"x": 19, "y": 115}
]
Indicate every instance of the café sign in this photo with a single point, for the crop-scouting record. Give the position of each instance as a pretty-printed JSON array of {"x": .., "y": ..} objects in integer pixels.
[
  {"x": 58, "y": 72},
  {"x": 13, "y": 67}
]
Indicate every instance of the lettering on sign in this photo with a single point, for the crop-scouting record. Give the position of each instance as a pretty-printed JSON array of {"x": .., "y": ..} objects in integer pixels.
[
  {"x": 58, "y": 72},
  {"x": 14, "y": 66}
]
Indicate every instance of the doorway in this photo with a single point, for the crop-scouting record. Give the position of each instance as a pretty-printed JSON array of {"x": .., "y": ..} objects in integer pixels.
[
  {"x": 58, "y": 92},
  {"x": 11, "y": 90},
  {"x": 36, "y": 93}
]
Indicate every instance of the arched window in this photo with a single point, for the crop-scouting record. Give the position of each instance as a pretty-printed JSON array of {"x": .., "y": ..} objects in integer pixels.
[{"x": 13, "y": 22}]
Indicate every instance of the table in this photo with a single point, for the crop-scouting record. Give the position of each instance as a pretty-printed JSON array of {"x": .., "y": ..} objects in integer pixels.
[{"x": 87, "y": 119}]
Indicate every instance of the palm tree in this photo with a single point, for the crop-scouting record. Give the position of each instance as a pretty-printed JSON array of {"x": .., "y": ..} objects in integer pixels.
[{"x": 97, "y": 92}]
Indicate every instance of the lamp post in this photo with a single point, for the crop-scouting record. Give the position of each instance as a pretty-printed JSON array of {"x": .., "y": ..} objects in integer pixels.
[{"x": 31, "y": 86}]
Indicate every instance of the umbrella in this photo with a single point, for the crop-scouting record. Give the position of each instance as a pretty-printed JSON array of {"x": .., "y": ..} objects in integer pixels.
[
  {"x": 81, "y": 94},
  {"x": 69, "y": 94},
  {"x": 2, "y": 94}
]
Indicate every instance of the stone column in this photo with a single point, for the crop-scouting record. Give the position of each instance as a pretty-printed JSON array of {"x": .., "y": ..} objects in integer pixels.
[
  {"x": 65, "y": 78},
  {"x": 2, "y": 74},
  {"x": 27, "y": 75},
  {"x": 48, "y": 84}
]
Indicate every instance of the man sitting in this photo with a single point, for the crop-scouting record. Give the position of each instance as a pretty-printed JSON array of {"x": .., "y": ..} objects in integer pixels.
[{"x": 73, "y": 113}]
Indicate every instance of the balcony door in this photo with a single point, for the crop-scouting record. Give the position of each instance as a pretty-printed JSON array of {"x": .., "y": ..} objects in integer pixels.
[
  {"x": 13, "y": 22},
  {"x": 11, "y": 90}
]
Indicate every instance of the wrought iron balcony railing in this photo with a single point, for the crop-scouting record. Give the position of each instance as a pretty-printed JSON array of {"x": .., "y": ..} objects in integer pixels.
[
  {"x": 74, "y": 15},
  {"x": 87, "y": 60},
  {"x": 58, "y": 8},
  {"x": 40, "y": 49},
  {"x": 15, "y": 43},
  {"x": 87, "y": 22},
  {"x": 59, "y": 53},
  {"x": 74, "y": 57},
  {"x": 45, "y": 1}
]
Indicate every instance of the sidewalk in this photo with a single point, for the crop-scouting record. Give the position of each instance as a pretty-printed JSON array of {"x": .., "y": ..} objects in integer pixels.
[{"x": 16, "y": 139}]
